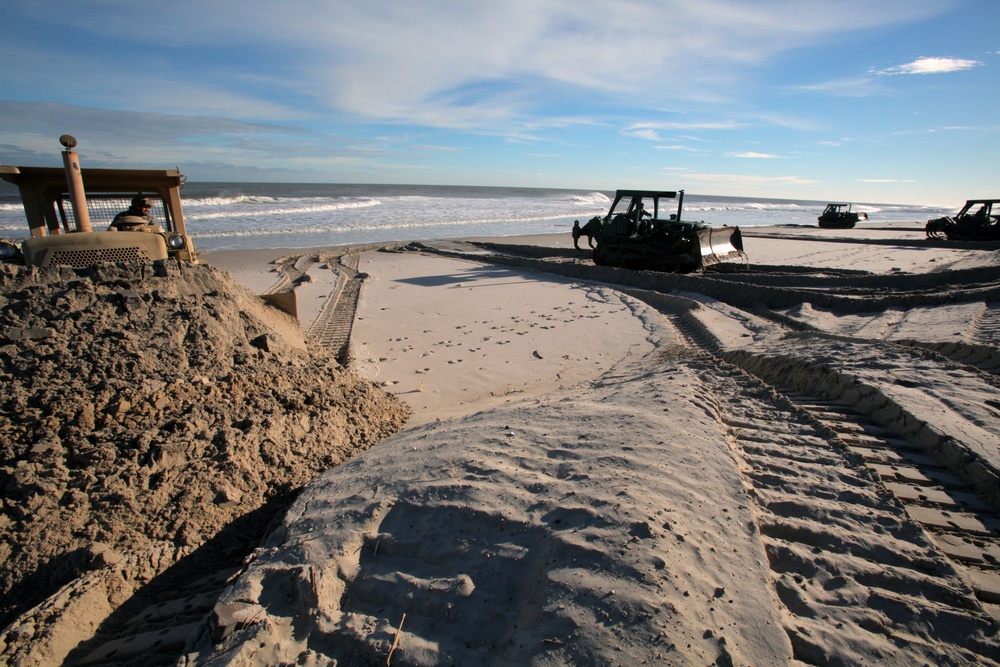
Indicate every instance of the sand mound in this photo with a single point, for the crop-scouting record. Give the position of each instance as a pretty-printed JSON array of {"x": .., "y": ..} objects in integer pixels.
[{"x": 145, "y": 408}]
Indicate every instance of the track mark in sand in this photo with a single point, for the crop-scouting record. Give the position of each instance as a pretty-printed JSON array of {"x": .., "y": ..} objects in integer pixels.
[
  {"x": 987, "y": 325},
  {"x": 842, "y": 550},
  {"x": 332, "y": 327},
  {"x": 291, "y": 268},
  {"x": 960, "y": 522},
  {"x": 984, "y": 350}
]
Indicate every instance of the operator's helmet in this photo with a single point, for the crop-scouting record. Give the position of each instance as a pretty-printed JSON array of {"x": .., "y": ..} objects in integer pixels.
[{"x": 140, "y": 202}]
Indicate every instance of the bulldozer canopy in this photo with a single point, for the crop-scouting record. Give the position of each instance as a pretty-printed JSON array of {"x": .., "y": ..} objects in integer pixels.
[{"x": 45, "y": 195}]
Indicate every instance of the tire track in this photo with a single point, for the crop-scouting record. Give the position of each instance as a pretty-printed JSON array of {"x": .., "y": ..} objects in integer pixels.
[
  {"x": 942, "y": 484},
  {"x": 988, "y": 325},
  {"x": 291, "y": 269},
  {"x": 983, "y": 352}
]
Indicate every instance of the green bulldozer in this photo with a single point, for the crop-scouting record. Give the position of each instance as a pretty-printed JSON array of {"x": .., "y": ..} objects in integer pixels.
[{"x": 644, "y": 230}]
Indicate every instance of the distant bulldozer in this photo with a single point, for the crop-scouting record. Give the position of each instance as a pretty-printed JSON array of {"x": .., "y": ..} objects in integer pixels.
[
  {"x": 639, "y": 232},
  {"x": 840, "y": 216},
  {"x": 983, "y": 225}
]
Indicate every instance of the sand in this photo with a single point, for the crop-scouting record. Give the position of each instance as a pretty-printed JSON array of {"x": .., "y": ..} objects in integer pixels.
[
  {"x": 611, "y": 467},
  {"x": 152, "y": 424},
  {"x": 598, "y": 473}
]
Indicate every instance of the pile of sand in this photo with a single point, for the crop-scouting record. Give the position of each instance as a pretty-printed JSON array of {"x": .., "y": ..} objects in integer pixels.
[{"x": 144, "y": 409}]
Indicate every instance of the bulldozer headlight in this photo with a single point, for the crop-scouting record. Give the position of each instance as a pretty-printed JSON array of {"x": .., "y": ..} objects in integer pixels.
[
  {"x": 175, "y": 241},
  {"x": 7, "y": 250}
]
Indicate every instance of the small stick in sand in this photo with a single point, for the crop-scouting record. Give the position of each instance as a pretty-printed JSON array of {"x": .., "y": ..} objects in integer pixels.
[{"x": 395, "y": 642}]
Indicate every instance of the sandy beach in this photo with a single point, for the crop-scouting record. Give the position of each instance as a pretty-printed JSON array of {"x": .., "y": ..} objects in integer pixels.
[{"x": 794, "y": 460}]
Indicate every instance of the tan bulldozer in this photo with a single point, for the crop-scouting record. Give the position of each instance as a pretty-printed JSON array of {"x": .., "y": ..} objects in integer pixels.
[
  {"x": 123, "y": 215},
  {"x": 70, "y": 226}
]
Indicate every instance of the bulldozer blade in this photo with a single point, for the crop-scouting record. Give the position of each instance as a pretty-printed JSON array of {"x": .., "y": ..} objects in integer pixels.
[
  {"x": 285, "y": 301},
  {"x": 720, "y": 244}
]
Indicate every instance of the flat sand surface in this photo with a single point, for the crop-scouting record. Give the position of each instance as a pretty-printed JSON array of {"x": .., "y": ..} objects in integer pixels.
[{"x": 599, "y": 473}]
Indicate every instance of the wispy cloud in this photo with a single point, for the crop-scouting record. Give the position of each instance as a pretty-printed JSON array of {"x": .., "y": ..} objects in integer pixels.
[
  {"x": 483, "y": 67},
  {"x": 647, "y": 133},
  {"x": 112, "y": 138},
  {"x": 933, "y": 65},
  {"x": 752, "y": 155},
  {"x": 651, "y": 131},
  {"x": 749, "y": 179},
  {"x": 680, "y": 147},
  {"x": 886, "y": 180},
  {"x": 861, "y": 86}
]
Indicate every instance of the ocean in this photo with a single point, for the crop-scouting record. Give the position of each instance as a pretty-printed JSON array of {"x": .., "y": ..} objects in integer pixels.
[{"x": 244, "y": 216}]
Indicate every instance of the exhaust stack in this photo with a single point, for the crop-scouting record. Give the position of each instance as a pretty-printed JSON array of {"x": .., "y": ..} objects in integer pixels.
[{"x": 74, "y": 181}]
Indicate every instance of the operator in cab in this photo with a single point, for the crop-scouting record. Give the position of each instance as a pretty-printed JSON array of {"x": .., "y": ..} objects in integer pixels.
[{"x": 136, "y": 218}]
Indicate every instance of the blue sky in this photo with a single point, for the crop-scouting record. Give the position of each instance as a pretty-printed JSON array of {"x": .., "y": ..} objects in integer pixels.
[{"x": 892, "y": 101}]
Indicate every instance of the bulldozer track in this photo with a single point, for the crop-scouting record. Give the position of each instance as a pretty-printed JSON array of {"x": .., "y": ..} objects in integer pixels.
[
  {"x": 291, "y": 269},
  {"x": 332, "y": 327},
  {"x": 933, "y": 568},
  {"x": 963, "y": 523},
  {"x": 988, "y": 324}
]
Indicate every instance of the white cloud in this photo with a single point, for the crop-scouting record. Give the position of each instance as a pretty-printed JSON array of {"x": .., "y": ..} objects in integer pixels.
[
  {"x": 853, "y": 87},
  {"x": 935, "y": 65},
  {"x": 447, "y": 64},
  {"x": 680, "y": 147},
  {"x": 751, "y": 154},
  {"x": 647, "y": 133},
  {"x": 650, "y": 131},
  {"x": 886, "y": 180}
]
